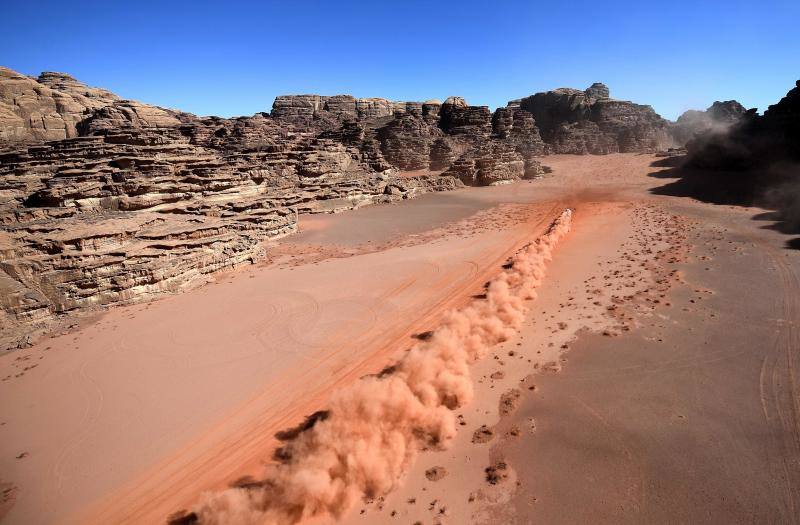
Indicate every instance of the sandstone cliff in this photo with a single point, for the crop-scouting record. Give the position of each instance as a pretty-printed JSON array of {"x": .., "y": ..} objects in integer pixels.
[
  {"x": 107, "y": 201},
  {"x": 53, "y": 106},
  {"x": 589, "y": 121}
]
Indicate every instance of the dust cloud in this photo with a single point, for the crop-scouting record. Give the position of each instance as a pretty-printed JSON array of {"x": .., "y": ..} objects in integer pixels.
[{"x": 376, "y": 427}]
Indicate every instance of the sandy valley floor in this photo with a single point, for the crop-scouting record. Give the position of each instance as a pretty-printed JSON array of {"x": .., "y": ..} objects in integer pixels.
[{"x": 654, "y": 381}]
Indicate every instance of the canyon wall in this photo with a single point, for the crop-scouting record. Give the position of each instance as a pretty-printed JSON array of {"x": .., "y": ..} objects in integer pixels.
[{"x": 110, "y": 201}]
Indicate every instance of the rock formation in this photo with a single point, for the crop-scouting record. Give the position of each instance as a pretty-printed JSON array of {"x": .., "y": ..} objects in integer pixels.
[
  {"x": 121, "y": 216},
  {"x": 754, "y": 161},
  {"x": 718, "y": 117},
  {"x": 752, "y": 140},
  {"x": 53, "y": 106},
  {"x": 580, "y": 122},
  {"x": 107, "y": 201},
  {"x": 453, "y": 136}
]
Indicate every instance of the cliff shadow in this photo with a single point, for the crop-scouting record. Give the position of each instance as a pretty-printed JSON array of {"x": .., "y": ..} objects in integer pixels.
[{"x": 775, "y": 188}]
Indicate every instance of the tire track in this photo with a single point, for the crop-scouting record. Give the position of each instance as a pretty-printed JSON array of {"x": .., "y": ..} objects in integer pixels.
[{"x": 778, "y": 382}]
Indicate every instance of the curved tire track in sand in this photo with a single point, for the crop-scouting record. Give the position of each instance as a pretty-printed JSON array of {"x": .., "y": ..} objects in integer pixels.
[
  {"x": 780, "y": 392},
  {"x": 93, "y": 407}
]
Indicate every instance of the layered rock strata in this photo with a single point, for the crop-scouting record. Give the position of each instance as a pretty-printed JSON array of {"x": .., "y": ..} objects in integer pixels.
[
  {"x": 54, "y": 105},
  {"x": 109, "y": 201},
  {"x": 132, "y": 214},
  {"x": 589, "y": 121}
]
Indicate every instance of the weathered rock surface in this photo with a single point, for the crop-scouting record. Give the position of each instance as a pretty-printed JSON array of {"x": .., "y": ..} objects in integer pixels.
[
  {"x": 424, "y": 136},
  {"x": 53, "y": 106},
  {"x": 406, "y": 140},
  {"x": 121, "y": 217},
  {"x": 133, "y": 201},
  {"x": 107, "y": 201},
  {"x": 491, "y": 163},
  {"x": 580, "y": 122}
]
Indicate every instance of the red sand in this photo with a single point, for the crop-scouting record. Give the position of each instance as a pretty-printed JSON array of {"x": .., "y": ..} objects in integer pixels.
[{"x": 129, "y": 419}]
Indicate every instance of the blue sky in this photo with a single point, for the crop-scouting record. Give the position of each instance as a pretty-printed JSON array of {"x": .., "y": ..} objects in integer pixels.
[{"x": 232, "y": 58}]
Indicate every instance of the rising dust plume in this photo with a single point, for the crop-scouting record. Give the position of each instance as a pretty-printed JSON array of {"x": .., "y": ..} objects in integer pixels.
[{"x": 375, "y": 427}]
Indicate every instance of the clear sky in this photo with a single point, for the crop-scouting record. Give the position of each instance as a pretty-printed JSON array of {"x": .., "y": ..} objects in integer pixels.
[{"x": 233, "y": 57}]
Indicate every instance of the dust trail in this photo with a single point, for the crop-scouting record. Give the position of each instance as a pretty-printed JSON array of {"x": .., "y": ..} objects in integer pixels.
[{"x": 375, "y": 427}]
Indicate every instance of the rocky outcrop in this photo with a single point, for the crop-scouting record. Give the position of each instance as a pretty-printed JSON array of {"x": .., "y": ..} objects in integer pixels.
[
  {"x": 718, "y": 117},
  {"x": 414, "y": 136},
  {"x": 133, "y": 201},
  {"x": 442, "y": 154},
  {"x": 597, "y": 91},
  {"x": 321, "y": 112},
  {"x": 110, "y": 201},
  {"x": 55, "y": 106},
  {"x": 495, "y": 163},
  {"x": 32, "y": 110},
  {"x": 589, "y": 121},
  {"x": 458, "y": 118},
  {"x": 517, "y": 126},
  {"x": 753, "y": 140},
  {"x": 553, "y": 109},
  {"x": 125, "y": 216},
  {"x": 406, "y": 140}
]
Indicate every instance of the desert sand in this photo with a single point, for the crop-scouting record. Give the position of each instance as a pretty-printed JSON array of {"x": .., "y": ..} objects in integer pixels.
[{"x": 645, "y": 382}]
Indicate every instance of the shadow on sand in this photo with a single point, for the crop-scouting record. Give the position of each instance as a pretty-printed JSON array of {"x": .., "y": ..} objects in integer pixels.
[{"x": 762, "y": 188}]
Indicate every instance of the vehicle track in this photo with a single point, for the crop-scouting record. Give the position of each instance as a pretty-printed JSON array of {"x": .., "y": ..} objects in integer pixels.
[
  {"x": 780, "y": 396},
  {"x": 182, "y": 478}
]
